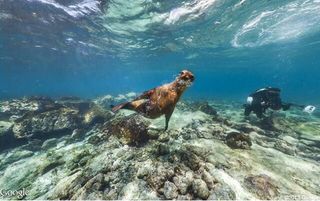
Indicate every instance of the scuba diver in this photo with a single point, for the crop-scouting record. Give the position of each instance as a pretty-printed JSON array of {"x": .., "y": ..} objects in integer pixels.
[{"x": 262, "y": 99}]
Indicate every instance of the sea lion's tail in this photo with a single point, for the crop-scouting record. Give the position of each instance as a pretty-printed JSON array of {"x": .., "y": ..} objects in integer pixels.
[{"x": 120, "y": 106}]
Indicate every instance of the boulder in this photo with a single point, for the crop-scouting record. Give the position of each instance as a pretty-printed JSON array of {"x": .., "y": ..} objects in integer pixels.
[
  {"x": 159, "y": 176},
  {"x": 92, "y": 189},
  {"x": 237, "y": 140},
  {"x": 262, "y": 186},
  {"x": 190, "y": 159},
  {"x": 170, "y": 191},
  {"x": 182, "y": 183},
  {"x": 145, "y": 169},
  {"x": 131, "y": 130},
  {"x": 285, "y": 147},
  {"x": 137, "y": 190},
  {"x": 40, "y": 117},
  {"x": 222, "y": 192},
  {"x": 96, "y": 114},
  {"x": 204, "y": 107},
  {"x": 5, "y": 128},
  {"x": 209, "y": 179},
  {"x": 20, "y": 107},
  {"x": 247, "y": 128},
  {"x": 200, "y": 189},
  {"x": 49, "y": 143},
  {"x": 163, "y": 149},
  {"x": 14, "y": 156},
  {"x": 49, "y": 122}
]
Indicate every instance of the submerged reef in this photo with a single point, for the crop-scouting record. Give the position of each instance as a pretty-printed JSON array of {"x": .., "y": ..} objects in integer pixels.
[{"x": 78, "y": 149}]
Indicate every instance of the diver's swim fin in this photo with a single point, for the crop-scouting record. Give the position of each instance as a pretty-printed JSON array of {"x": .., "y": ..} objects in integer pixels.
[
  {"x": 118, "y": 107},
  {"x": 309, "y": 109}
]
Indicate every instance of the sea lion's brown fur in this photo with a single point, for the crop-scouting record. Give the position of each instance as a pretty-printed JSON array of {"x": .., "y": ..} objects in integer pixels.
[{"x": 160, "y": 100}]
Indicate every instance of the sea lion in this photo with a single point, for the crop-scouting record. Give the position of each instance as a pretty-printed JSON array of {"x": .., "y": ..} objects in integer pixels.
[{"x": 160, "y": 100}]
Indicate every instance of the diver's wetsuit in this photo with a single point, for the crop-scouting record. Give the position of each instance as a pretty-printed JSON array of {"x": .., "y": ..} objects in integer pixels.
[{"x": 262, "y": 99}]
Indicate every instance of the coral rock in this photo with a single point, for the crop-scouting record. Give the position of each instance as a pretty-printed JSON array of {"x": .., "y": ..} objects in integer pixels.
[
  {"x": 262, "y": 186},
  {"x": 49, "y": 143},
  {"x": 46, "y": 123},
  {"x": 205, "y": 107},
  {"x": 131, "y": 130},
  {"x": 238, "y": 140},
  {"x": 163, "y": 149},
  {"x": 285, "y": 147},
  {"x": 182, "y": 183},
  {"x": 145, "y": 169},
  {"x": 222, "y": 192},
  {"x": 210, "y": 180},
  {"x": 159, "y": 176},
  {"x": 200, "y": 189},
  {"x": 170, "y": 191},
  {"x": 5, "y": 128},
  {"x": 96, "y": 114}
]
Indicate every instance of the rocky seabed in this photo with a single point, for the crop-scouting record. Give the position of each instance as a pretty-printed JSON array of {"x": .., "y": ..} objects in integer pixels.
[{"x": 78, "y": 149}]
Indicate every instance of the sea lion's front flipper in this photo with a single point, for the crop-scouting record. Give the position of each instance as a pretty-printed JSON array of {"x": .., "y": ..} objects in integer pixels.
[{"x": 168, "y": 116}]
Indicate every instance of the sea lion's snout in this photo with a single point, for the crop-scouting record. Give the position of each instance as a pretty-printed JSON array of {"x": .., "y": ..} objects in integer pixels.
[
  {"x": 186, "y": 75},
  {"x": 192, "y": 78}
]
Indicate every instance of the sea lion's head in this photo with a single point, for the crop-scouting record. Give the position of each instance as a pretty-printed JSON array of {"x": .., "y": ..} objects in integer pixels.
[{"x": 185, "y": 78}]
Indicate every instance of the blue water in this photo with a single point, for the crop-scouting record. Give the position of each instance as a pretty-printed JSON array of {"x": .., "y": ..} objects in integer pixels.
[{"x": 90, "y": 48}]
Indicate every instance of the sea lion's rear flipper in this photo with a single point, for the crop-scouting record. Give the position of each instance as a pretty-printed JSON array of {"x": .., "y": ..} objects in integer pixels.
[
  {"x": 120, "y": 106},
  {"x": 145, "y": 95},
  {"x": 134, "y": 105},
  {"x": 138, "y": 104}
]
